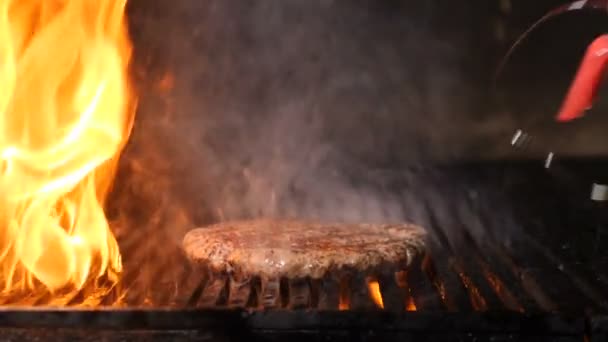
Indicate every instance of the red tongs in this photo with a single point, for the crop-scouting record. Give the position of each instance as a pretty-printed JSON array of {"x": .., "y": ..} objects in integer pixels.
[{"x": 584, "y": 88}]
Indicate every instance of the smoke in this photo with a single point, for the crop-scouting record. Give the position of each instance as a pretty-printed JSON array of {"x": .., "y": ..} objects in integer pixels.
[{"x": 291, "y": 108}]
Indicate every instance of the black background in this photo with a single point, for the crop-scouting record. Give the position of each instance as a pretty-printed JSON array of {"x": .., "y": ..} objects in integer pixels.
[
  {"x": 312, "y": 108},
  {"x": 375, "y": 81}
]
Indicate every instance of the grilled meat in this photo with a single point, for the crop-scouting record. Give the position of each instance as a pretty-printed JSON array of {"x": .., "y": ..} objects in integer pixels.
[{"x": 292, "y": 248}]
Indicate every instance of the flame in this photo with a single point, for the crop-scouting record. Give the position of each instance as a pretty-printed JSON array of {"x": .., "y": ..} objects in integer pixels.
[
  {"x": 66, "y": 112},
  {"x": 343, "y": 305},
  {"x": 374, "y": 292},
  {"x": 410, "y": 305},
  {"x": 344, "y": 294}
]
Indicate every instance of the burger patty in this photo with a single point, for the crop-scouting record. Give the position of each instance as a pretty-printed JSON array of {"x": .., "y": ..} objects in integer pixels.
[{"x": 292, "y": 248}]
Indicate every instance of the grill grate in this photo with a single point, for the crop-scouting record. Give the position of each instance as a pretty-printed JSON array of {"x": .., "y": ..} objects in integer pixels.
[
  {"x": 468, "y": 266},
  {"x": 472, "y": 284},
  {"x": 441, "y": 281}
]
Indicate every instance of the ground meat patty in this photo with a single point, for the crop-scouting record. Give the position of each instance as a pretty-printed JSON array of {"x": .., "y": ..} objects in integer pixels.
[{"x": 275, "y": 248}]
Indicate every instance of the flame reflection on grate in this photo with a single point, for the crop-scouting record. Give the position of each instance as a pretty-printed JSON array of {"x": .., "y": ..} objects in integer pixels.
[{"x": 477, "y": 300}]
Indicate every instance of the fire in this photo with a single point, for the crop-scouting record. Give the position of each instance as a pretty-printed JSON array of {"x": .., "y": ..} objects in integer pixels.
[
  {"x": 344, "y": 294},
  {"x": 374, "y": 292},
  {"x": 343, "y": 305},
  {"x": 410, "y": 305},
  {"x": 66, "y": 112}
]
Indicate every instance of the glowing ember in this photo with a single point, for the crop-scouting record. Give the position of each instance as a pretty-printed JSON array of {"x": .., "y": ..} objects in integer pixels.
[
  {"x": 344, "y": 294},
  {"x": 411, "y": 305},
  {"x": 343, "y": 305},
  {"x": 374, "y": 292},
  {"x": 66, "y": 112}
]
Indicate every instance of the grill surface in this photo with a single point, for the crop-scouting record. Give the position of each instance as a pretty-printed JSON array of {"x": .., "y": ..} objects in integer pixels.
[
  {"x": 529, "y": 257},
  {"x": 481, "y": 278}
]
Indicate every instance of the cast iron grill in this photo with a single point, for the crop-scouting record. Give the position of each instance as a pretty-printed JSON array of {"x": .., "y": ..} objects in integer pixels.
[
  {"x": 451, "y": 277},
  {"x": 472, "y": 284},
  {"x": 468, "y": 265}
]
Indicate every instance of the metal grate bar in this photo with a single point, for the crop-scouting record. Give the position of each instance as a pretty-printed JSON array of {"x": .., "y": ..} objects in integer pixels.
[
  {"x": 394, "y": 297},
  {"x": 188, "y": 286},
  {"x": 478, "y": 302},
  {"x": 492, "y": 274},
  {"x": 448, "y": 289},
  {"x": 425, "y": 295},
  {"x": 507, "y": 288},
  {"x": 299, "y": 293},
  {"x": 529, "y": 284},
  {"x": 500, "y": 288},
  {"x": 360, "y": 297},
  {"x": 271, "y": 293},
  {"x": 554, "y": 283},
  {"x": 164, "y": 291},
  {"x": 213, "y": 292},
  {"x": 452, "y": 233},
  {"x": 329, "y": 294},
  {"x": 449, "y": 286},
  {"x": 239, "y": 293},
  {"x": 456, "y": 266},
  {"x": 596, "y": 295}
]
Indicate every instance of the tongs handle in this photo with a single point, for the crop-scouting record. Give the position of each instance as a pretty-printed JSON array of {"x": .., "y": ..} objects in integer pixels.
[{"x": 584, "y": 88}]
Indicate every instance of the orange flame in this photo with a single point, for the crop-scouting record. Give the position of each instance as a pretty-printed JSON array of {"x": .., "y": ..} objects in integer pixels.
[
  {"x": 410, "y": 305},
  {"x": 343, "y": 305},
  {"x": 344, "y": 294},
  {"x": 66, "y": 112},
  {"x": 374, "y": 292}
]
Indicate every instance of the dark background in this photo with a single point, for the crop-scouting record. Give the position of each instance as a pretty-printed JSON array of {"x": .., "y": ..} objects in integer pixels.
[
  {"x": 338, "y": 109},
  {"x": 378, "y": 81}
]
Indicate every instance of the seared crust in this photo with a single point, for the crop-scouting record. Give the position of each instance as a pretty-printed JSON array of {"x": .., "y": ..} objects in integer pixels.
[{"x": 275, "y": 248}]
